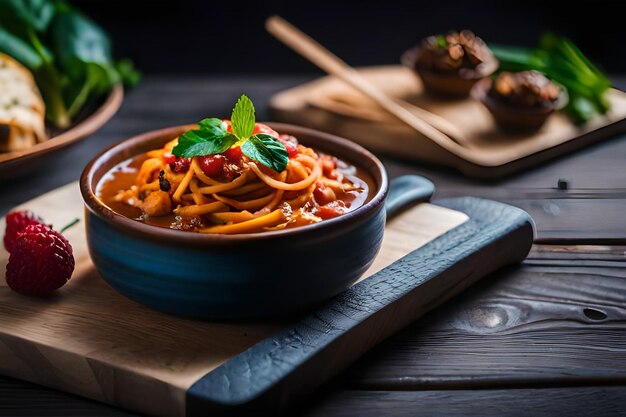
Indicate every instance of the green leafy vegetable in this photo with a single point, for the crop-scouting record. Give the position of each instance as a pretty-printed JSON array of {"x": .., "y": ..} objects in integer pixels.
[
  {"x": 79, "y": 43},
  {"x": 561, "y": 61},
  {"x": 20, "y": 50},
  {"x": 128, "y": 73},
  {"x": 69, "y": 54},
  {"x": 83, "y": 53},
  {"x": 35, "y": 14},
  {"x": 242, "y": 119},
  {"x": 267, "y": 150},
  {"x": 212, "y": 137}
]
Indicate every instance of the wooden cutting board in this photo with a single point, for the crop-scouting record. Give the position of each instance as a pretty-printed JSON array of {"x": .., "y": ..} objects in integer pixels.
[
  {"x": 89, "y": 340},
  {"x": 330, "y": 105}
]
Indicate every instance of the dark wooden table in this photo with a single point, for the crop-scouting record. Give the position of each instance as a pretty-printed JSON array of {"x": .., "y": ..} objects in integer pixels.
[{"x": 546, "y": 337}]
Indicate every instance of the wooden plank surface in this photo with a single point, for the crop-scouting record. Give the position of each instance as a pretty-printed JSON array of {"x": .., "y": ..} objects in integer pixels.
[
  {"x": 557, "y": 319},
  {"x": 590, "y": 210},
  {"x": 587, "y": 402},
  {"x": 596, "y": 176},
  {"x": 24, "y": 399}
]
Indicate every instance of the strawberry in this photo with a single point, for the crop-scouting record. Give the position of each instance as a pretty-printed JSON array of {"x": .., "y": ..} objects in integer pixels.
[
  {"x": 41, "y": 261},
  {"x": 16, "y": 222}
]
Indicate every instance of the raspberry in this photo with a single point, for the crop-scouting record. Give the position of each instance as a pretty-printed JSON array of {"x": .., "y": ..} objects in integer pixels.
[
  {"x": 41, "y": 261},
  {"x": 16, "y": 222}
]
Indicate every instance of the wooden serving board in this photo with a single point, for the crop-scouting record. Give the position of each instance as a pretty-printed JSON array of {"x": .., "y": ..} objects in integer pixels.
[
  {"x": 328, "y": 104},
  {"x": 89, "y": 340}
]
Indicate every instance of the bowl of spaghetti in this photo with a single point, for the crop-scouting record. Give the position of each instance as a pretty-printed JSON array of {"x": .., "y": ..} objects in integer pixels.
[{"x": 225, "y": 220}]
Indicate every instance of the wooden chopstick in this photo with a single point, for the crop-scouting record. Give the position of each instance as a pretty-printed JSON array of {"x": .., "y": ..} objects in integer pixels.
[{"x": 428, "y": 124}]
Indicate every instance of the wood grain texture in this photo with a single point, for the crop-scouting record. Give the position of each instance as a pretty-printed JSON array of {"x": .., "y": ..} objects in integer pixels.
[
  {"x": 589, "y": 211},
  {"x": 24, "y": 399},
  {"x": 557, "y": 319},
  {"x": 582, "y": 402},
  {"x": 331, "y": 104},
  {"x": 288, "y": 365},
  {"x": 89, "y": 340}
]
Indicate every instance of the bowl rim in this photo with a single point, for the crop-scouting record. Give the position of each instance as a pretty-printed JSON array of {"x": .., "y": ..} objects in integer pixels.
[{"x": 354, "y": 153}]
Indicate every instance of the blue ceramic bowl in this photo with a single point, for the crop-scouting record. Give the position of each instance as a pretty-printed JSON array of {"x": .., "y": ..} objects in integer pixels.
[{"x": 233, "y": 276}]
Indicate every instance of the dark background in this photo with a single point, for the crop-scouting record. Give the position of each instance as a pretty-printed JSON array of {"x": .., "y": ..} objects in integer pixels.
[{"x": 193, "y": 36}]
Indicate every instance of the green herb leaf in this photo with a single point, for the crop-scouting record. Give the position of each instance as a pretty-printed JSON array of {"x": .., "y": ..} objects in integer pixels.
[
  {"x": 213, "y": 125},
  {"x": 267, "y": 150},
  {"x": 242, "y": 119},
  {"x": 201, "y": 142}
]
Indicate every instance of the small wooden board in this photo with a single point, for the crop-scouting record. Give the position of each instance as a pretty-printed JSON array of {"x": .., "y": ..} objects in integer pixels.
[
  {"x": 89, "y": 340},
  {"x": 328, "y": 104}
]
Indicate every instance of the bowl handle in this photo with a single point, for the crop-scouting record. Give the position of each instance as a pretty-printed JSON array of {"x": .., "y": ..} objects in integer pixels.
[{"x": 406, "y": 191}]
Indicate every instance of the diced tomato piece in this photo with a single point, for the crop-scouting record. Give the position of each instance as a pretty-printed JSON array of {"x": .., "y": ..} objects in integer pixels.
[
  {"x": 328, "y": 167},
  {"x": 261, "y": 128},
  {"x": 323, "y": 194},
  {"x": 168, "y": 158},
  {"x": 180, "y": 165},
  {"x": 291, "y": 144},
  {"x": 211, "y": 165},
  {"x": 233, "y": 154},
  {"x": 292, "y": 148},
  {"x": 331, "y": 210}
]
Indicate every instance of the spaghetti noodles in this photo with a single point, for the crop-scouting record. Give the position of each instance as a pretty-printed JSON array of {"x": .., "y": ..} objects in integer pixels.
[{"x": 230, "y": 193}]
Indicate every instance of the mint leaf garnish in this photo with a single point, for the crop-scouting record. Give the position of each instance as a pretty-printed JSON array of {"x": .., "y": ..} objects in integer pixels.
[
  {"x": 213, "y": 125},
  {"x": 242, "y": 118},
  {"x": 267, "y": 150},
  {"x": 202, "y": 142},
  {"x": 212, "y": 137}
]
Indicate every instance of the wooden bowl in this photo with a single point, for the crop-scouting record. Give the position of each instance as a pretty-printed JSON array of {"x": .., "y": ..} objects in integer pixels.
[
  {"x": 233, "y": 276},
  {"x": 451, "y": 85},
  {"x": 17, "y": 163},
  {"x": 516, "y": 118}
]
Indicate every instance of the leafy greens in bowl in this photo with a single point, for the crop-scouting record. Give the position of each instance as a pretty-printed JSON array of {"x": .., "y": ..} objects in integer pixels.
[{"x": 68, "y": 53}]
